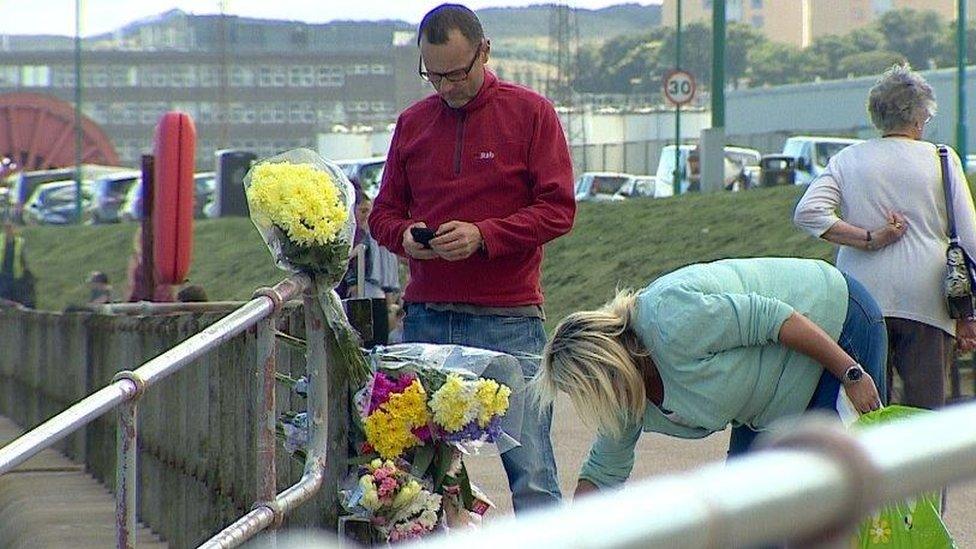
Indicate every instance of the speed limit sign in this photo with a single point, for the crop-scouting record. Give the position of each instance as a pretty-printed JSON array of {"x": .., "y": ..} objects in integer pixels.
[{"x": 679, "y": 87}]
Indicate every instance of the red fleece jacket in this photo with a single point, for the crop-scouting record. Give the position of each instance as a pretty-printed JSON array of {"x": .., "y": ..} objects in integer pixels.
[{"x": 500, "y": 162}]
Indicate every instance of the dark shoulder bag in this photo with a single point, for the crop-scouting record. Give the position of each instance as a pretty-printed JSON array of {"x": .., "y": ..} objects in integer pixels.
[{"x": 959, "y": 277}]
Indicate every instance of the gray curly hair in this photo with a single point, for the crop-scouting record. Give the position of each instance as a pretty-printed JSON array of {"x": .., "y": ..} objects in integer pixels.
[{"x": 900, "y": 99}]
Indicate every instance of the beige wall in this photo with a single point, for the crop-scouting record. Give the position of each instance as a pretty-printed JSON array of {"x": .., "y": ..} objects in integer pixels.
[{"x": 799, "y": 22}]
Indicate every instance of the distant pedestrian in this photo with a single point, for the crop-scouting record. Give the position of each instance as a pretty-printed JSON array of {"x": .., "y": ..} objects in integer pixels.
[
  {"x": 192, "y": 293},
  {"x": 16, "y": 280},
  {"x": 100, "y": 290},
  {"x": 882, "y": 202}
]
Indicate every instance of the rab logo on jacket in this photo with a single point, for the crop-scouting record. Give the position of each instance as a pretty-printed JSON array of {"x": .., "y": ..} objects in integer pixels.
[{"x": 485, "y": 155}]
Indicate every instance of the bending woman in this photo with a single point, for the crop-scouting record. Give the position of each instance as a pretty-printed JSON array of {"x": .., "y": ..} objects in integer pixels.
[{"x": 741, "y": 341}]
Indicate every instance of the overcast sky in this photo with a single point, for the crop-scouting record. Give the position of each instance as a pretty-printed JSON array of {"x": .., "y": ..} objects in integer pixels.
[{"x": 58, "y": 16}]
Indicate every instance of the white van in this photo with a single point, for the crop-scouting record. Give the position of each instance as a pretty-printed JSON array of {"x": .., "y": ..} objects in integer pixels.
[
  {"x": 812, "y": 154},
  {"x": 739, "y": 161}
]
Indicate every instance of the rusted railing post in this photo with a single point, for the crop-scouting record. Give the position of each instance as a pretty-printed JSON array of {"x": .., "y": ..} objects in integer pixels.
[
  {"x": 125, "y": 478},
  {"x": 125, "y": 464},
  {"x": 265, "y": 427}
]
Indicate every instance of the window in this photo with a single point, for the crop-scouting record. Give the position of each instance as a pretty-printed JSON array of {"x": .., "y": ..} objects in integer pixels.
[
  {"x": 758, "y": 21},
  {"x": 301, "y": 76},
  {"x": 330, "y": 76},
  {"x": 757, "y": 4},
  {"x": 707, "y": 5},
  {"x": 379, "y": 69},
  {"x": 35, "y": 76},
  {"x": 264, "y": 77}
]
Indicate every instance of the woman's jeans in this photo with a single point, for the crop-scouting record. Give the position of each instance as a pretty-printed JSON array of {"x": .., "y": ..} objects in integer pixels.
[
  {"x": 531, "y": 468},
  {"x": 864, "y": 337}
]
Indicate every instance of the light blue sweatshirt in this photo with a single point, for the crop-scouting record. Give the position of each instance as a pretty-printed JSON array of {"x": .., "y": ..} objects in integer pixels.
[{"x": 713, "y": 333}]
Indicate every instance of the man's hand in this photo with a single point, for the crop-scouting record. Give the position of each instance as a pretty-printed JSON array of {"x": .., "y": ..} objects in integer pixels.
[
  {"x": 413, "y": 248},
  {"x": 584, "y": 487},
  {"x": 457, "y": 240}
]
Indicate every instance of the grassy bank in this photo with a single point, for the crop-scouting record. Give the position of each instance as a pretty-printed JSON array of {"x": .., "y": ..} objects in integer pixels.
[{"x": 619, "y": 244}]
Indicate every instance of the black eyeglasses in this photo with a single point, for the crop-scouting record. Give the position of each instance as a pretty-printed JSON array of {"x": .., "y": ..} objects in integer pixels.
[{"x": 453, "y": 76}]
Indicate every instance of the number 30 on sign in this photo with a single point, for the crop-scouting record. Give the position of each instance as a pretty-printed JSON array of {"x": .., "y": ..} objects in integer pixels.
[{"x": 679, "y": 87}]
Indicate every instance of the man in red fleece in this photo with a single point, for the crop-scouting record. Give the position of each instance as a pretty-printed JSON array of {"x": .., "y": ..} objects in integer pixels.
[{"x": 484, "y": 164}]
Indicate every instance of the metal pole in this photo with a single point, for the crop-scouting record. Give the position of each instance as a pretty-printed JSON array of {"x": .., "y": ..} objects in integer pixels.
[
  {"x": 125, "y": 477},
  {"x": 361, "y": 271},
  {"x": 961, "y": 81},
  {"x": 718, "y": 64},
  {"x": 79, "y": 154},
  {"x": 677, "y": 108},
  {"x": 265, "y": 429}
]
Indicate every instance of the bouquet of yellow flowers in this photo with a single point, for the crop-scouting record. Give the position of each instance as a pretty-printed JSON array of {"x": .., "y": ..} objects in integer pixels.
[{"x": 302, "y": 206}]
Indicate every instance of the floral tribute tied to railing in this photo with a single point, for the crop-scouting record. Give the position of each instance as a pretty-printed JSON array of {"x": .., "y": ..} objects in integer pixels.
[{"x": 418, "y": 409}]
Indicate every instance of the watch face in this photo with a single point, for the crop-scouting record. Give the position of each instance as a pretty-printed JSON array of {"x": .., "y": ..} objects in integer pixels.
[{"x": 854, "y": 373}]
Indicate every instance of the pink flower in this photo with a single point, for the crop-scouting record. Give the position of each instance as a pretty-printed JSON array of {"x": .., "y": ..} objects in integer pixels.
[{"x": 423, "y": 433}]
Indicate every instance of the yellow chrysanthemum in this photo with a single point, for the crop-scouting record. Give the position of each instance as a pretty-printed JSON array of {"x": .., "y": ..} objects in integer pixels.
[
  {"x": 389, "y": 428},
  {"x": 452, "y": 404},
  {"x": 298, "y": 198},
  {"x": 492, "y": 398}
]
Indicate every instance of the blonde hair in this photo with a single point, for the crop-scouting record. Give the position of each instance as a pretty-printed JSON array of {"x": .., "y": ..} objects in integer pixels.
[{"x": 591, "y": 358}]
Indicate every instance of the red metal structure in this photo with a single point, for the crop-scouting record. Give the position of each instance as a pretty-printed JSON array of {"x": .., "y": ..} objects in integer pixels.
[{"x": 37, "y": 133}]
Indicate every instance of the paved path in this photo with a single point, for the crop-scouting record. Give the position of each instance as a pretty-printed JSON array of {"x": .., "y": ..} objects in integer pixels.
[
  {"x": 659, "y": 454},
  {"x": 50, "y": 502}
]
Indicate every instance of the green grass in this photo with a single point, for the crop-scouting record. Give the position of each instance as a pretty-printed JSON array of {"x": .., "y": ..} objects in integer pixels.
[
  {"x": 628, "y": 244},
  {"x": 618, "y": 244}
]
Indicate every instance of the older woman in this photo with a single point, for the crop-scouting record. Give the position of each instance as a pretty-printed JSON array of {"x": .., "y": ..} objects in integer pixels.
[
  {"x": 740, "y": 341},
  {"x": 891, "y": 229}
]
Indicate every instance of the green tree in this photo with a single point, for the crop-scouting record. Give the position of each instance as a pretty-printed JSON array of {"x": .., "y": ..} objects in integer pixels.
[
  {"x": 917, "y": 35},
  {"x": 774, "y": 63},
  {"x": 831, "y": 49},
  {"x": 869, "y": 62},
  {"x": 739, "y": 41}
]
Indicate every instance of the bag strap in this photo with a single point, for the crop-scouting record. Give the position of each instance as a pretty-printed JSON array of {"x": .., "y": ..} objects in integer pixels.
[{"x": 947, "y": 187}]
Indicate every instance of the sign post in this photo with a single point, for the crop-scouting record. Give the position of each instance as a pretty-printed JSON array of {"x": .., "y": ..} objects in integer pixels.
[{"x": 679, "y": 88}]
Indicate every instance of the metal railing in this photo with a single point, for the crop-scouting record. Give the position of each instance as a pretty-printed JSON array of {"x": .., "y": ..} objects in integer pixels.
[
  {"x": 127, "y": 386},
  {"x": 813, "y": 485}
]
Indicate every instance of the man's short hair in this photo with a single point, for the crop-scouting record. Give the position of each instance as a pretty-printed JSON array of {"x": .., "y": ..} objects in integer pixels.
[{"x": 437, "y": 25}]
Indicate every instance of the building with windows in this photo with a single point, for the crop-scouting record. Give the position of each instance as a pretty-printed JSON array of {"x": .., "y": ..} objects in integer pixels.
[
  {"x": 253, "y": 84},
  {"x": 800, "y": 22}
]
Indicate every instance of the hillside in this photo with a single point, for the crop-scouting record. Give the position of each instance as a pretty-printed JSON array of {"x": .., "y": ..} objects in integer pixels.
[
  {"x": 598, "y": 24},
  {"x": 620, "y": 244}
]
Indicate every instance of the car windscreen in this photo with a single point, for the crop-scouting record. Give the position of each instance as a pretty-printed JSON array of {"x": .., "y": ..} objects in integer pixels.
[
  {"x": 826, "y": 151},
  {"x": 603, "y": 184}
]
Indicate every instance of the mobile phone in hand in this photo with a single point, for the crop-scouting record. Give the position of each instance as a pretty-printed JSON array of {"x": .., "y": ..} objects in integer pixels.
[{"x": 422, "y": 235}]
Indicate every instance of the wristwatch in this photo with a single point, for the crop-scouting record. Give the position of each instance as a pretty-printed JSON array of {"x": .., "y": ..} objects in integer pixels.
[{"x": 853, "y": 374}]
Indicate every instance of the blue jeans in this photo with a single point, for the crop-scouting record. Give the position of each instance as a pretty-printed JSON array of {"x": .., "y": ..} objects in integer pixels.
[
  {"x": 531, "y": 468},
  {"x": 864, "y": 337}
]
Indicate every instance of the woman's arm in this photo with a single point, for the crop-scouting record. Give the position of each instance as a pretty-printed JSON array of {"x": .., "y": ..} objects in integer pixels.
[
  {"x": 846, "y": 234},
  {"x": 803, "y": 335},
  {"x": 816, "y": 213}
]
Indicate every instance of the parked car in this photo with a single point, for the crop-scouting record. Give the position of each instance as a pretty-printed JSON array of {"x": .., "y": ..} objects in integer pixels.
[
  {"x": 812, "y": 154},
  {"x": 54, "y": 204},
  {"x": 27, "y": 182},
  {"x": 108, "y": 194},
  {"x": 365, "y": 173},
  {"x": 644, "y": 186},
  {"x": 600, "y": 186},
  {"x": 203, "y": 193}
]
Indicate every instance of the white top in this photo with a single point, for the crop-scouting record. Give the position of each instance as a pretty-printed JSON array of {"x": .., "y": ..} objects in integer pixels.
[{"x": 867, "y": 180}]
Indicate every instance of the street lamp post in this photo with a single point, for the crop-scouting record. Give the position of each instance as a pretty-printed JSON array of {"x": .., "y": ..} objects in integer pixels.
[
  {"x": 961, "y": 81},
  {"x": 677, "y": 107},
  {"x": 78, "y": 132}
]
